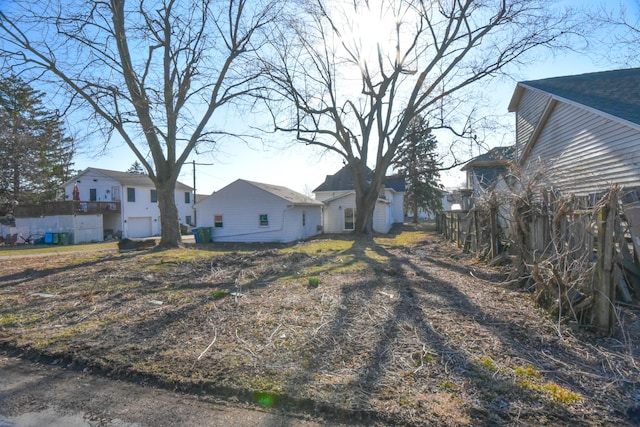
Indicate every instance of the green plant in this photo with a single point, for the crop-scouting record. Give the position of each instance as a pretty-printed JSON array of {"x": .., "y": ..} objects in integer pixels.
[
  {"x": 220, "y": 294},
  {"x": 314, "y": 282}
]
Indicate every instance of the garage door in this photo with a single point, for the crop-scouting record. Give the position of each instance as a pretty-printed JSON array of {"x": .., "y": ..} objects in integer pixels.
[{"x": 139, "y": 226}]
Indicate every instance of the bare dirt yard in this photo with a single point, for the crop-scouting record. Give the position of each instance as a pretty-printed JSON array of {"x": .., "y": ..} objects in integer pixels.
[{"x": 401, "y": 329}]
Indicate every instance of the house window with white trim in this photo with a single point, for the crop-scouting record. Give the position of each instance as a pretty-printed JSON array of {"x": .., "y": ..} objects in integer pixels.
[
  {"x": 131, "y": 194},
  {"x": 187, "y": 197},
  {"x": 349, "y": 218},
  {"x": 264, "y": 220},
  {"x": 217, "y": 221},
  {"x": 93, "y": 195},
  {"x": 154, "y": 196}
]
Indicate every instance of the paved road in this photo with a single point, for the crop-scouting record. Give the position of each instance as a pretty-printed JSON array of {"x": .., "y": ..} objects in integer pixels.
[{"x": 49, "y": 395}]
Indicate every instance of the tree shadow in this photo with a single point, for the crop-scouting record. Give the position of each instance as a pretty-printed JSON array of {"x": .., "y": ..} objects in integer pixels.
[{"x": 408, "y": 310}]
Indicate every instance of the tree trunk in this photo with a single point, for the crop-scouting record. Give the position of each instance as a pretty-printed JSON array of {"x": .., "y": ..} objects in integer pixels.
[
  {"x": 367, "y": 194},
  {"x": 170, "y": 227}
]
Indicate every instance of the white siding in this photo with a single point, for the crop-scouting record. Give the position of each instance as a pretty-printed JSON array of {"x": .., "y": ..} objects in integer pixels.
[
  {"x": 81, "y": 228},
  {"x": 101, "y": 183},
  {"x": 334, "y": 214},
  {"x": 108, "y": 189},
  {"x": 397, "y": 206},
  {"x": 241, "y": 205},
  {"x": 382, "y": 220},
  {"x": 585, "y": 152},
  {"x": 530, "y": 109}
]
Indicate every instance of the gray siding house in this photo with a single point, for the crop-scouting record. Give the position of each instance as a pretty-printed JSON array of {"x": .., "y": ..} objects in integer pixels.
[
  {"x": 583, "y": 129},
  {"x": 484, "y": 171}
]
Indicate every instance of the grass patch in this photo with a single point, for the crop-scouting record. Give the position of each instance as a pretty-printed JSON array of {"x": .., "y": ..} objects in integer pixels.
[
  {"x": 321, "y": 246},
  {"x": 53, "y": 249},
  {"x": 402, "y": 240},
  {"x": 554, "y": 391},
  {"x": 314, "y": 282}
]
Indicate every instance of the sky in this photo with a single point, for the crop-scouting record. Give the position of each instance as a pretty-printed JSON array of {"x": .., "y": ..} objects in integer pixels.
[{"x": 303, "y": 168}]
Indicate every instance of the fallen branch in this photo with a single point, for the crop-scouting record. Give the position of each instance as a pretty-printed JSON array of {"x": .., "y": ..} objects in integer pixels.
[{"x": 215, "y": 336}]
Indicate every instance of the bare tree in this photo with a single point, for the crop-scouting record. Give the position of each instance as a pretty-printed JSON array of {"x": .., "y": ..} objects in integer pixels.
[
  {"x": 617, "y": 27},
  {"x": 353, "y": 74},
  {"x": 153, "y": 71}
]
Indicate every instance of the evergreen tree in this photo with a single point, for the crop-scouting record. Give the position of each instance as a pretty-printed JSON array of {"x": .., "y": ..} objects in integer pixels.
[
  {"x": 418, "y": 162},
  {"x": 35, "y": 153},
  {"x": 137, "y": 168}
]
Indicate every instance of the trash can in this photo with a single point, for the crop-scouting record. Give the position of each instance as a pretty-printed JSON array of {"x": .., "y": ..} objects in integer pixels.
[
  {"x": 63, "y": 238},
  {"x": 55, "y": 238},
  {"x": 48, "y": 238},
  {"x": 205, "y": 234},
  {"x": 196, "y": 235}
]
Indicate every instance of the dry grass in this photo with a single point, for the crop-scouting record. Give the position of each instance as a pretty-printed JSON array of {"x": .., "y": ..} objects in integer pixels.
[{"x": 395, "y": 330}]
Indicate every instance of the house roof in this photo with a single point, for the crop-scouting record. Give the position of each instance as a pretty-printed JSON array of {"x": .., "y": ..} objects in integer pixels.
[
  {"x": 124, "y": 178},
  {"x": 488, "y": 167},
  {"x": 285, "y": 193},
  {"x": 616, "y": 92},
  {"x": 343, "y": 181},
  {"x": 497, "y": 156}
]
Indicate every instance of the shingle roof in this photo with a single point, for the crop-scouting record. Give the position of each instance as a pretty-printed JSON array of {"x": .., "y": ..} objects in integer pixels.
[
  {"x": 614, "y": 92},
  {"x": 343, "y": 181},
  {"x": 126, "y": 178},
  {"x": 285, "y": 193},
  {"x": 497, "y": 156}
]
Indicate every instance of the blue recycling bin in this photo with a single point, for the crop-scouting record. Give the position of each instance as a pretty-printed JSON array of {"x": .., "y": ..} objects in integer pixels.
[{"x": 196, "y": 235}]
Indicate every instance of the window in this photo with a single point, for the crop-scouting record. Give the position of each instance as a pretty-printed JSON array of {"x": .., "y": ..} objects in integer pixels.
[
  {"x": 131, "y": 194},
  {"x": 187, "y": 219},
  {"x": 349, "y": 219},
  {"x": 187, "y": 197},
  {"x": 304, "y": 219},
  {"x": 264, "y": 220},
  {"x": 154, "y": 196},
  {"x": 93, "y": 195},
  {"x": 217, "y": 221}
]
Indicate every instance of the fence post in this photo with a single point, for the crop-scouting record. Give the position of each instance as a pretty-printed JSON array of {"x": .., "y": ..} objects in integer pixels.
[
  {"x": 604, "y": 293},
  {"x": 493, "y": 227}
]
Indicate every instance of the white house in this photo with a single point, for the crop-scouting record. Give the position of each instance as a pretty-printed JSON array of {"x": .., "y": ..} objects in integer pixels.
[
  {"x": 246, "y": 211},
  {"x": 583, "y": 129},
  {"x": 102, "y": 203},
  {"x": 138, "y": 215},
  {"x": 339, "y": 197}
]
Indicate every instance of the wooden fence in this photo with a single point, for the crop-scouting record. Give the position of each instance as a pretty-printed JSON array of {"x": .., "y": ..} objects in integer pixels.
[{"x": 556, "y": 246}]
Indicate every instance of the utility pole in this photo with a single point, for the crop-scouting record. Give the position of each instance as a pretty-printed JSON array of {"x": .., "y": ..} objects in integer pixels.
[{"x": 193, "y": 162}]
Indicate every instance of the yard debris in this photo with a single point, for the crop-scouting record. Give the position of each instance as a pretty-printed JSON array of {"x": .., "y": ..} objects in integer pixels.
[
  {"x": 128, "y": 245},
  {"x": 386, "y": 294},
  {"x": 429, "y": 345},
  {"x": 155, "y": 302},
  {"x": 44, "y": 295}
]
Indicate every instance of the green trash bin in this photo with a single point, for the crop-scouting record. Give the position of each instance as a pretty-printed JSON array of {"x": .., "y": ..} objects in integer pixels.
[
  {"x": 205, "y": 234},
  {"x": 63, "y": 238},
  {"x": 55, "y": 238}
]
